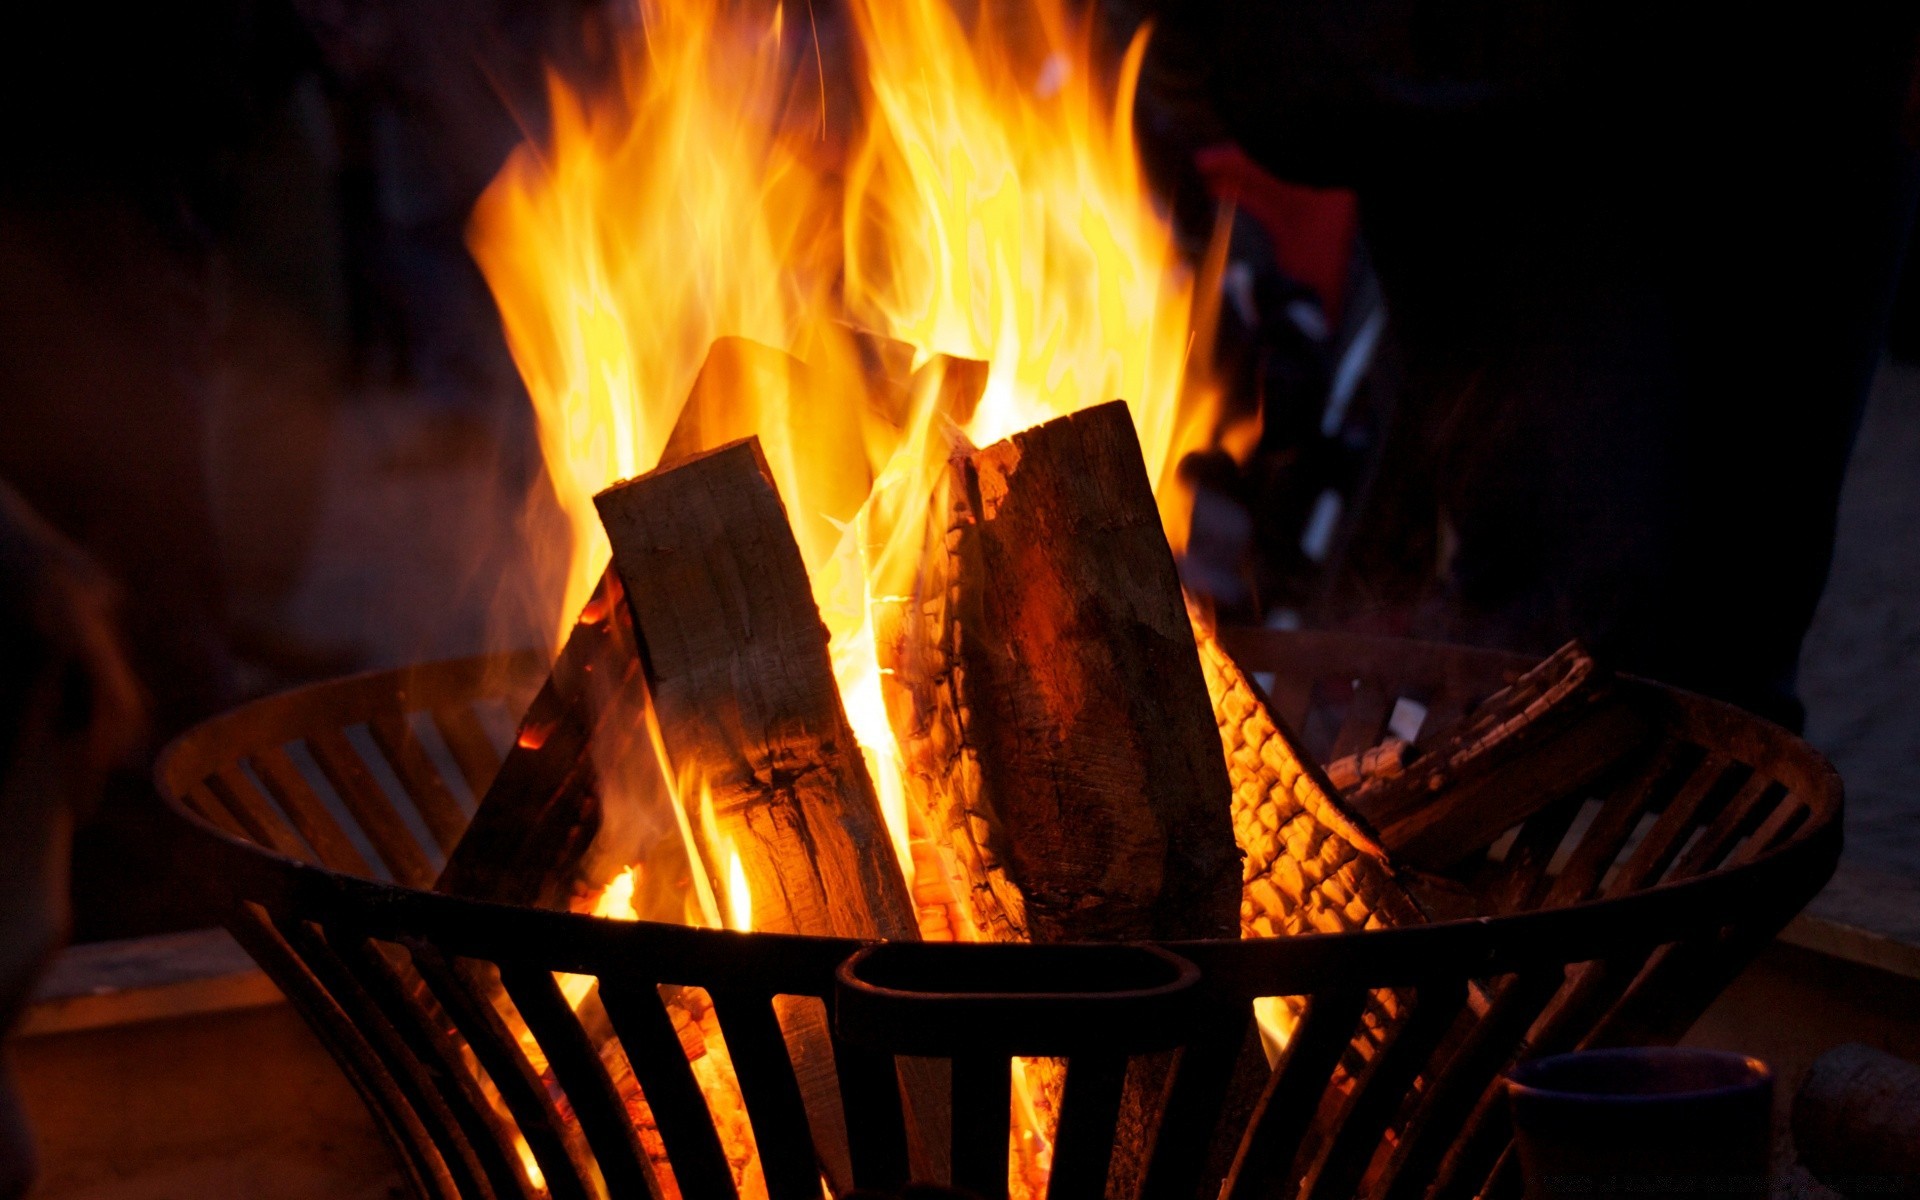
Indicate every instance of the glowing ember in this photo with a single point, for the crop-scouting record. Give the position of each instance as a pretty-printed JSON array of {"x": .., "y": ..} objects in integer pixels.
[{"x": 739, "y": 898}]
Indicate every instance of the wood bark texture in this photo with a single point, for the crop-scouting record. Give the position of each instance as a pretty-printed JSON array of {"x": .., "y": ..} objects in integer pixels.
[{"x": 1044, "y": 689}]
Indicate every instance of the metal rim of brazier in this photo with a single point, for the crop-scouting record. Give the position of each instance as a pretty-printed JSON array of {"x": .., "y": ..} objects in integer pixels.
[{"x": 394, "y": 978}]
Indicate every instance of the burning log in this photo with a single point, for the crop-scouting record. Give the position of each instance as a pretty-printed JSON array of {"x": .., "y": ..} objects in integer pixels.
[
  {"x": 736, "y": 660},
  {"x": 540, "y": 816},
  {"x": 1311, "y": 866},
  {"x": 1044, "y": 691},
  {"x": 749, "y": 716},
  {"x": 1042, "y": 684},
  {"x": 1549, "y": 733}
]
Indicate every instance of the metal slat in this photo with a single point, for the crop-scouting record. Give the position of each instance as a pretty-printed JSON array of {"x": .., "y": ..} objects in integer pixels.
[
  {"x": 301, "y": 803},
  {"x": 371, "y": 808},
  {"x": 414, "y": 768},
  {"x": 1702, "y": 798},
  {"x": 356, "y": 1057},
  {"x": 556, "y": 1146},
  {"x": 583, "y": 1077},
  {"x": 1382, "y": 1090},
  {"x": 1089, "y": 1112},
  {"x": 659, "y": 1061},
  {"x": 1451, "y": 1097},
  {"x": 422, "y": 1096},
  {"x": 255, "y": 814},
  {"x": 1203, "y": 1084},
  {"x": 467, "y": 740},
  {"x": 772, "y": 1093},
  {"x": 1600, "y": 845},
  {"x": 876, "y": 1122},
  {"x": 1265, "y": 1162},
  {"x": 982, "y": 1121},
  {"x": 1746, "y": 813},
  {"x": 398, "y": 997}
]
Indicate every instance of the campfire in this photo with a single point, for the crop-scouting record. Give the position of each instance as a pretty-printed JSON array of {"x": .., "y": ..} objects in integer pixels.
[
  {"x": 867, "y": 409},
  {"x": 869, "y": 445}
]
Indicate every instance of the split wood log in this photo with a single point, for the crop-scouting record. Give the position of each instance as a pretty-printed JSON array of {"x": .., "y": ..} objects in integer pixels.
[
  {"x": 1042, "y": 684},
  {"x": 735, "y": 658},
  {"x": 749, "y": 714},
  {"x": 1554, "y": 730}
]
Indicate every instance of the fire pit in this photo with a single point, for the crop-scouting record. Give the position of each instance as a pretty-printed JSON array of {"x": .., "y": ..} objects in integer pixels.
[{"x": 1612, "y": 916}]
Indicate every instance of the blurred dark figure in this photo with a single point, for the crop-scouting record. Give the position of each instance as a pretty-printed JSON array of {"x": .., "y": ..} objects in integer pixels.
[
  {"x": 69, "y": 711},
  {"x": 220, "y": 221},
  {"x": 1638, "y": 260}
]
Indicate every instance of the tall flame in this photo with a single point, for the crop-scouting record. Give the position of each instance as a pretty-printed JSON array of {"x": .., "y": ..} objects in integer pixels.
[
  {"x": 679, "y": 209},
  {"x": 992, "y": 207},
  {"x": 996, "y": 210}
]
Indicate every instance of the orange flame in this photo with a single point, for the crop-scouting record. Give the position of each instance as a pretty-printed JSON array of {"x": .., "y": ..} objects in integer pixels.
[{"x": 992, "y": 206}]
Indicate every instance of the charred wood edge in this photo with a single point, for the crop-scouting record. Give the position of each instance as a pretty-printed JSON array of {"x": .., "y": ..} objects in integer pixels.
[
  {"x": 541, "y": 811},
  {"x": 1857, "y": 1114},
  {"x": 1549, "y": 733}
]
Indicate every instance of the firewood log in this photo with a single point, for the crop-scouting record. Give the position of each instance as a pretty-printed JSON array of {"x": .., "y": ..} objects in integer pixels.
[
  {"x": 1549, "y": 733},
  {"x": 1042, "y": 684},
  {"x": 735, "y": 658},
  {"x": 1044, "y": 691},
  {"x": 736, "y": 661}
]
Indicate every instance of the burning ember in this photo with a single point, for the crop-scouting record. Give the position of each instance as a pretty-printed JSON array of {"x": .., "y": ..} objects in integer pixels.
[{"x": 920, "y": 316}]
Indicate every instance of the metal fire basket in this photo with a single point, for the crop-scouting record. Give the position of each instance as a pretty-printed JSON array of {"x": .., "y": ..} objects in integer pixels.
[{"x": 323, "y": 814}]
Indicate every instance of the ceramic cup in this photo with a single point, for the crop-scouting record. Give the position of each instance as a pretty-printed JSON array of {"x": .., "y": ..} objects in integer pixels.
[{"x": 1646, "y": 1121}]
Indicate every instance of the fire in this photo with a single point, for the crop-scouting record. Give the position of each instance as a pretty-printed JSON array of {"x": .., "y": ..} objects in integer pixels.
[
  {"x": 992, "y": 206},
  {"x": 989, "y": 204}
]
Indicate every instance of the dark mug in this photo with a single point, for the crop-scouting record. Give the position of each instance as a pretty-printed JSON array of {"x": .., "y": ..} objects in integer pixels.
[{"x": 1643, "y": 1122}]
